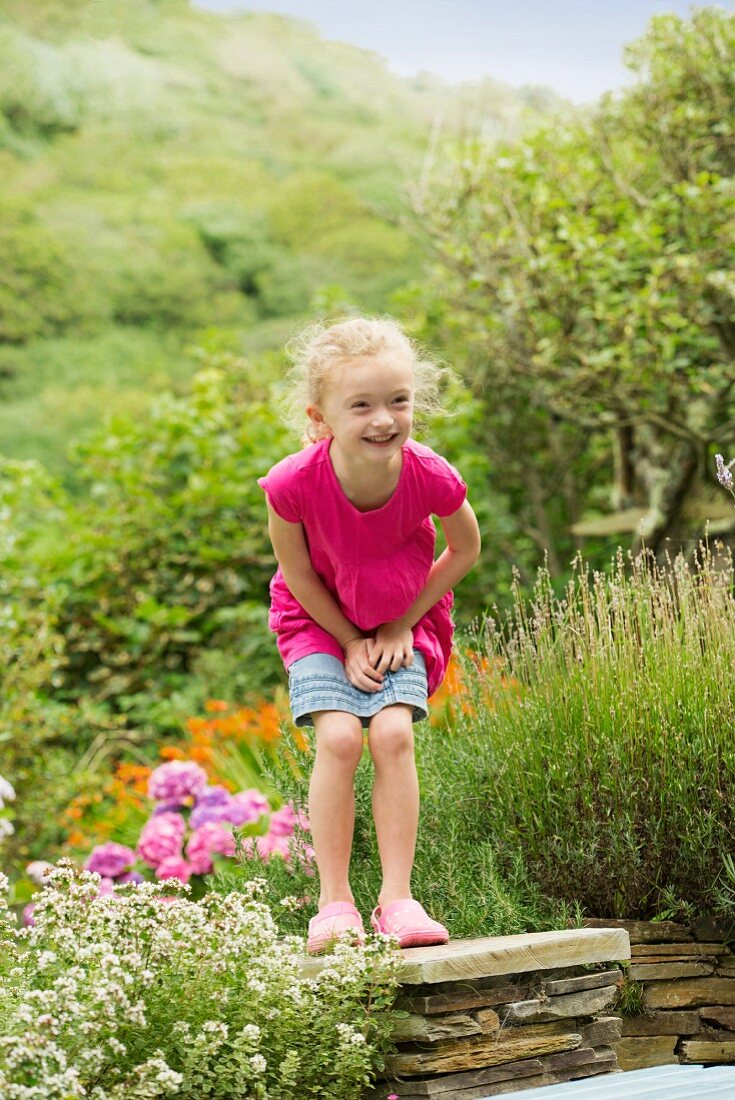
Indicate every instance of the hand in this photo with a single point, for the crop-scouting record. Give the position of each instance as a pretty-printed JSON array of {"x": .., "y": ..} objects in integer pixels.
[
  {"x": 358, "y": 668},
  {"x": 392, "y": 646}
]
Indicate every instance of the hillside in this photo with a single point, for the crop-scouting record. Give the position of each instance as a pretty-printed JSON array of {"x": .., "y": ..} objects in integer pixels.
[{"x": 169, "y": 171}]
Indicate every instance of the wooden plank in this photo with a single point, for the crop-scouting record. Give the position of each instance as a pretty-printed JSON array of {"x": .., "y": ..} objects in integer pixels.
[
  {"x": 510, "y": 1044},
  {"x": 465, "y": 959}
]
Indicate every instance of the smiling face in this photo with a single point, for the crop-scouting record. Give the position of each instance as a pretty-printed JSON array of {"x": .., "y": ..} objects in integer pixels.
[{"x": 367, "y": 398}]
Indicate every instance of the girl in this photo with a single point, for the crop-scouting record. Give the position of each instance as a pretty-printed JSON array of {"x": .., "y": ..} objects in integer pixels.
[{"x": 360, "y": 608}]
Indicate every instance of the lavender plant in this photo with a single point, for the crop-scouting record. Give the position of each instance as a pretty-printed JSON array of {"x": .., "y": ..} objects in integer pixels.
[
  {"x": 138, "y": 994},
  {"x": 724, "y": 472}
]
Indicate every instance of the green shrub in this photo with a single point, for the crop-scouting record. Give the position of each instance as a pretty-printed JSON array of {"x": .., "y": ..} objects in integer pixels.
[
  {"x": 613, "y": 772},
  {"x": 459, "y": 875},
  {"x": 125, "y": 996}
]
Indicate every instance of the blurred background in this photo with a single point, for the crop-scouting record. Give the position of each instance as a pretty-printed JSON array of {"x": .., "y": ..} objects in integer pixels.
[{"x": 541, "y": 193}]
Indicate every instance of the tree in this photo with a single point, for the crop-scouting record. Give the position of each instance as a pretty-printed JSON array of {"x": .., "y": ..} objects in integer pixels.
[{"x": 587, "y": 271}]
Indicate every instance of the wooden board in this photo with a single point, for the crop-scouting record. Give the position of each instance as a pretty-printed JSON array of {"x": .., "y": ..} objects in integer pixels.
[{"x": 474, "y": 958}]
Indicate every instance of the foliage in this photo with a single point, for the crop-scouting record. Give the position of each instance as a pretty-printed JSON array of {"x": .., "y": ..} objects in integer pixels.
[
  {"x": 465, "y": 873},
  {"x": 614, "y": 773},
  {"x": 163, "y": 560},
  {"x": 583, "y": 278},
  {"x": 168, "y": 169},
  {"x": 125, "y": 995}
]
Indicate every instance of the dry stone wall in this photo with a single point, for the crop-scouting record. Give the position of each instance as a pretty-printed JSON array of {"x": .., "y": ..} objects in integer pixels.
[
  {"x": 687, "y": 979},
  {"x": 493, "y": 1015}
]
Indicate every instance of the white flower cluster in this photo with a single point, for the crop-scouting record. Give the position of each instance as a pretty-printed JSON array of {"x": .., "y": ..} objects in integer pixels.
[{"x": 128, "y": 995}]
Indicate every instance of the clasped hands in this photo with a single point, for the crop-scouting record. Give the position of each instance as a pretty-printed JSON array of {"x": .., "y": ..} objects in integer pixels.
[{"x": 369, "y": 657}]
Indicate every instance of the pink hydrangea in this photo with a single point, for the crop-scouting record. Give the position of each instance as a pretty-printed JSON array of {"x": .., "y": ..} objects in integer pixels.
[
  {"x": 204, "y": 841},
  {"x": 284, "y": 820},
  {"x": 106, "y": 888},
  {"x": 247, "y": 806},
  {"x": 174, "y": 867},
  {"x": 28, "y": 918},
  {"x": 273, "y": 844},
  {"x": 161, "y": 836},
  {"x": 176, "y": 781},
  {"x": 110, "y": 859}
]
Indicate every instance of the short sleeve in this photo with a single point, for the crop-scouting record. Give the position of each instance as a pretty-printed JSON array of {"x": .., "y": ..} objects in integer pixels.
[
  {"x": 448, "y": 488},
  {"x": 282, "y": 493}
]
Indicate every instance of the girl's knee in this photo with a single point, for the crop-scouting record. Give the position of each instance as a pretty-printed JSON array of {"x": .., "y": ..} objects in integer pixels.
[
  {"x": 391, "y": 732},
  {"x": 340, "y": 735}
]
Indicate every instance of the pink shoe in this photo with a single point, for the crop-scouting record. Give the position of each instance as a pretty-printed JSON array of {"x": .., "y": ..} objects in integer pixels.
[
  {"x": 408, "y": 920},
  {"x": 331, "y": 922}
]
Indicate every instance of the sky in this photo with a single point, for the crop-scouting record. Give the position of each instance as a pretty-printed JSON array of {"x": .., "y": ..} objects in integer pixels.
[{"x": 572, "y": 46}]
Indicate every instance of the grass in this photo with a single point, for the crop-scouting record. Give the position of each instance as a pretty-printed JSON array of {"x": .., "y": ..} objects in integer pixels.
[{"x": 586, "y": 766}]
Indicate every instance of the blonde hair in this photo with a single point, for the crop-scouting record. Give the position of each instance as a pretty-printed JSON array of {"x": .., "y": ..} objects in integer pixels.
[{"x": 321, "y": 346}]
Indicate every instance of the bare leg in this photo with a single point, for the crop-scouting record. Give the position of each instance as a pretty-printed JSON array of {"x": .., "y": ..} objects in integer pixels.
[
  {"x": 339, "y": 743},
  {"x": 395, "y": 798}
]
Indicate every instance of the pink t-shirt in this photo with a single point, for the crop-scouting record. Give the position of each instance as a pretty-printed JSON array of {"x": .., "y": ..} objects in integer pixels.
[{"x": 374, "y": 563}]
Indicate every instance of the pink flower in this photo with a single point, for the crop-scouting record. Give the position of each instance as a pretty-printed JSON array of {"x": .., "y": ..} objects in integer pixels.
[
  {"x": 110, "y": 859},
  {"x": 28, "y": 920},
  {"x": 106, "y": 888},
  {"x": 208, "y": 838},
  {"x": 176, "y": 780},
  {"x": 174, "y": 867},
  {"x": 272, "y": 844},
  {"x": 284, "y": 820},
  {"x": 247, "y": 806},
  {"x": 160, "y": 837}
]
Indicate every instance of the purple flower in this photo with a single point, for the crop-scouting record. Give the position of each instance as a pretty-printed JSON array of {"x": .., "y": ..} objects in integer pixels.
[
  {"x": 176, "y": 781},
  {"x": 724, "y": 471},
  {"x": 208, "y": 838},
  {"x": 130, "y": 876},
  {"x": 247, "y": 806},
  {"x": 213, "y": 796},
  {"x": 110, "y": 859},
  {"x": 200, "y": 815},
  {"x": 168, "y": 808}
]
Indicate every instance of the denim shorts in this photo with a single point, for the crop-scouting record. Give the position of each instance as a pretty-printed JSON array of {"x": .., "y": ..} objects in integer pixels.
[{"x": 319, "y": 682}]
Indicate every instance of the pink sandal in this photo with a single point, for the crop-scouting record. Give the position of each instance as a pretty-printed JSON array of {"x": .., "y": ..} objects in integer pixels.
[
  {"x": 408, "y": 920},
  {"x": 330, "y": 922}
]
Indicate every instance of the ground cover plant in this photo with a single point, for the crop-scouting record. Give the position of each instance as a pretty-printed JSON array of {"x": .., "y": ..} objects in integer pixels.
[{"x": 148, "y": 995}]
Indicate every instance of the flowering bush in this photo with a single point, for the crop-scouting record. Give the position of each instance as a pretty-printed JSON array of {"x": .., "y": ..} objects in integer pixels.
[
  {"x": 172, "y": 847},
  {"x": 112, "y": 997}
]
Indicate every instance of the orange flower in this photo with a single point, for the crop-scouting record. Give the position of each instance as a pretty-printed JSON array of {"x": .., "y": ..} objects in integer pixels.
[{"x": 212, "y": 705}]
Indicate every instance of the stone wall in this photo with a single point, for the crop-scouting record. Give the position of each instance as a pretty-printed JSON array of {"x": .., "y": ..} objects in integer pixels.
[
  {"x": 687, "y": 979},
  {"x": 494, "y": 1015}
]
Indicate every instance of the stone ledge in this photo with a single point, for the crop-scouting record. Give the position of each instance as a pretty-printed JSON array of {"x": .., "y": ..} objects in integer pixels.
[{"x": 460, "y": 960}]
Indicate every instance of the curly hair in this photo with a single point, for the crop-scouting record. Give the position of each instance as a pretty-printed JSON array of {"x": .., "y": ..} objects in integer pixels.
[{"x": 321, "y": 346}]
